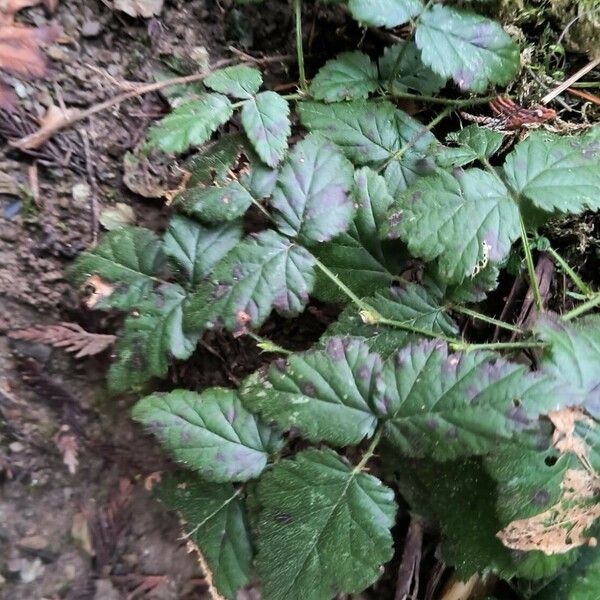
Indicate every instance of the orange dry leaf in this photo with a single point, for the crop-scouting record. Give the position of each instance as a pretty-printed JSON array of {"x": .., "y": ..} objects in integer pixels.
[
  {"x": 67, "y": 444},
  {"x": 20, "y": 46},
  {"x": 69, "y": 336},
  {"x": 563, "y": 526},
  {"x": 54, "y": 117},
  {"x": 100, "y": 289},
  {"x": 564, "y": 438}
]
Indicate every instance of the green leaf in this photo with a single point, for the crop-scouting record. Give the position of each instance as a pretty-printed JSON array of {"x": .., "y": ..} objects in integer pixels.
[
  {"x": 195, "y": 249},
  {"x": 263, "y": 272},
  {"x": 573, "y": 354},
  {"x": 213, "y": 161},
  {"x": 323, "y": 393},
  {"x": 350, "y": 76},
  {"x": 334, "y": 540},
  {"x": 471, "y": 290},
  {"x": 384, "y": 13},
  {"x": 580, "y": 582},
  {"x": 215, "y": 204},
  {"x": 471, "y": 49},
  {"x": 374, "y": 134},
  {"x": 462, "y": 497},
  {"x": 239, "y": 81},
  {"x": 211, "y": 433},
  {"x": 127, "y": 255},
  {"x": 404, "y": 60},
  {"x": 358, "y": 257},
  {"x": 407, "y": 303},
  {"x": 556, "y": 173},
  {"x": 190, "y": 124},
  {"x": 265, "y": 119},
  {"x": 151, "y": 336},
  {"x": 215, "y": 522},
  {"x": 464, "y": 221},
  {"x": 472, "y": 143},
  {"x": 444, "y": 406},
  {"x": 311, "y": 199}
]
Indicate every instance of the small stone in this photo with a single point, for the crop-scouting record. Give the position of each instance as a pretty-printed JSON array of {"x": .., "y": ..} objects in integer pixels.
[
  {"x": 16, "y": 447},
  {"x": 105, "y": 590},
  {"x": 91, "y": 28},
  {"x": 56, "y": 53},
  {"x": 31, "y": 570},
  {"x": 81, "y": 192},
  {"x": 34, "y": 542}
]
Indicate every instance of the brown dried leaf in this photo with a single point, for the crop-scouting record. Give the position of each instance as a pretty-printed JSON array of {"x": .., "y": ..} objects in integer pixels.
[
  {"x": 139, "y": 8},
  {"x": 564, "y": 438},
  {"x": 67, "y": 444},
  {"x": 100, "y": 289},
  {"x": 563, "y": 526},
  {"x": 69, "y": 336}
]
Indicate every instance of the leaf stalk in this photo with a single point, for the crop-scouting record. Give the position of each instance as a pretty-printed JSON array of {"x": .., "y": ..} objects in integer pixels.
[{"x": 300, "y": 45}]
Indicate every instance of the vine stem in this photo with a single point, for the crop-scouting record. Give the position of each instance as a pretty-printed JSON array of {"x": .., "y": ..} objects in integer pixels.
[
  {"x": 300, "y": 45},
  {"x": 481, "y": 317},
  {"x": 466, "y": 347},
  {"x": 453, "y": 102},
  {"x": 369, "y": 452},
  {"x": 583, "y": 287},
  {"x": 524, "y": 239},
  {"x": 582, "y": 308},
  {"x": 372, "y": 316}
]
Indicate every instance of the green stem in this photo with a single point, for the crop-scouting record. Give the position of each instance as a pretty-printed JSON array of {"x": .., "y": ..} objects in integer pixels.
[
  {"x": 369, "y": 452},
  {"x": 533, "y": 282},
  {"x": 481, "y": 317},
  {"x": 454, "y": 102},
  {"x": 300, "y": 45},
  {"x": 372, "y": 316},
  {"x": 582, "y": 308},
  {"x": 464, "y": 346},
  {"x": 267, "y": 345},
  {"x": 583, "y": 287}
]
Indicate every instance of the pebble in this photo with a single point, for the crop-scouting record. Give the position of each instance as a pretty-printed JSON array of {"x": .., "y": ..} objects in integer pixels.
[
  {"x": 81, "y": 192},
  {"x": 91, "y": 28},
  {"x": 34, "y": 542},
  {"x": 16, "y": 447}
]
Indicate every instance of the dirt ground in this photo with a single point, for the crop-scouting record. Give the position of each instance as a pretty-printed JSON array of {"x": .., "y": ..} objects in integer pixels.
[{"x": 95, "y": 533}]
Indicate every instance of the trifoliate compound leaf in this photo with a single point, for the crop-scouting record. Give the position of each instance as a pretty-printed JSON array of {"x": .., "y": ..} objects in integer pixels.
[
  {"x": 311, "y": 199},
  {"x": 266, "y": 122},
  {"x": 124, "y": 256},
  {"x": 190, "y": 124},
  {"x": 471, "y": 49},
  {"x": 214, "y": 520},
  {"x": 573, "y": 354},
  {"x": 211, "y": 433},
  {"x": 152, "y": 336},
  {"x": 471, "y": 143},
  {"x": 215, "y": 204},
  {"x": 325, "y": 394},
  {"x": 444, "y": 406},
  {"x": 407, "y": 303},
  {"x": 401, "y": 68},
  {"x": 195, "y": 249},
  {"x": 465, "y": 221},
  {"x": 556, "y": 173},
  {"x": 358, "y": 257},
  {"x": 384, "y": 13},
  {"x": 239, "y": 81},
  {"x": 370, "y": 133},
  {"x": 324, "y": 528},
  {"x": 350, "y": 76},
  {"x": 263, "y": 272}
]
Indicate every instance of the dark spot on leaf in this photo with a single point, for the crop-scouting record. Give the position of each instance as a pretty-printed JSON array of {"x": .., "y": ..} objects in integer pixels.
[
  {"x": 395, "y": 219},
  {"x": 431, "y": 424},
  {"x": 186, "y": 435},
  {"x": 309, "y": 389},
  {"x": 363, "y": 372},
  {"x": 416, "y": 196},
  {"x": 221, "y": 290},
  {"x": 519, "y": 417},
  {"x": 541, "y": 497},
  {"x": 452, "y": 433},
  {"x": 237, "y": 272},
  {"x": 230, "y": 416},
  {"x": 220, "y": 457},
  {"x": 458, "y": 172},
  {"x": 283, "y": 518},
  {"x": 280, "y": 364},
  {"x": 335, "y": 348}
]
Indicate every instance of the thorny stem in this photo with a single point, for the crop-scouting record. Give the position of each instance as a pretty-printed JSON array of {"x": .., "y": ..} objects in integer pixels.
[
  {"x": 482, "y": 317},
  {"x": 369, "y": 452},
  {"x": 498, "y": 346},
  {"x": 453, "y": 102},
  {"x": 582, "y": 308},
  {"x": 299, "y": 44},
  {"x": 583, "y": 287},
  {"x": 533, "y": 282}
]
